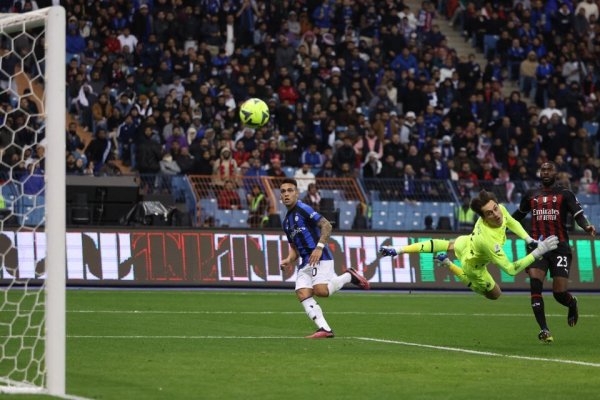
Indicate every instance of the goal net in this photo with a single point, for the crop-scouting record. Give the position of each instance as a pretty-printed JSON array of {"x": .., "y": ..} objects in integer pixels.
[{"x": 32, "y": 202}]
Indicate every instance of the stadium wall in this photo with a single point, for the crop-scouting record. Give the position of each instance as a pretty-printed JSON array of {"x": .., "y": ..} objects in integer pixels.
[{"x": 247, "y": 259}]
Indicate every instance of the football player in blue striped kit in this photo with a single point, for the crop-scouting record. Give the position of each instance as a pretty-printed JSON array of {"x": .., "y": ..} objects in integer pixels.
[{"x": 308, "y": 233}]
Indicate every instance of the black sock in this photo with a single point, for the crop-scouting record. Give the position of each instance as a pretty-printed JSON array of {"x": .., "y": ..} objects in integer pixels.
[
  {"x": 537, "y": 302},
  {"x": 563, "y": 298}
]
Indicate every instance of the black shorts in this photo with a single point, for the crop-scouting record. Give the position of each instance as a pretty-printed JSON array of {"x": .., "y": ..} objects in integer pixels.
[{"x": 558, "y": 264}]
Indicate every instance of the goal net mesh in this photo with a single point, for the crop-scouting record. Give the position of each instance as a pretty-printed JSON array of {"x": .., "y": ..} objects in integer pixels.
[{"x": 22, "y": 214}]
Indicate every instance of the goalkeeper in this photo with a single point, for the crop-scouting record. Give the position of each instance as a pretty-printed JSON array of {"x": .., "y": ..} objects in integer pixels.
[{"x": 481, "y": 247}]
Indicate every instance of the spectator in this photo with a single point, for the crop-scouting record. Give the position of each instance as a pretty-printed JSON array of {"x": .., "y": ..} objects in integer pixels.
[
  {"x": 372, "y": 166},
  {"x": 368, "y": 144},
  {"x": 73, "y": 139},
  {"x": 587, "y": 183},
  {"x": 126, "y": 135},
  {"x": 240, "y": 155},
  {"x": 75, "y": 42},
  {"x": 327, "y": 170},
  {"x": 99, "y": 149},
  {"x": 465, "y": 217},
  {"x": 312, "y": 157},
  {"x": 178, "y": 137},
  {"x": 272, "y": 151},
  {"x": 468, "y": 179},
  {"x": 127, "y": 41},
  {"x": 304, "y": 176},
  {"x": 225, "y": 168},
  {"x": 275, "y": 170},
  {"x": 345, "y": 155},
  {"x": 258, "y": 205},
  {"x": 228, "y": 198},
  {"x": 590, "y": 9},
  {"x": 543, "y": 74},
  {"x": 101, "y": 112},
  {"x": 409, "y": 186},
  {"x": 527, "y": 74},
  {"x": 313, "y": 197},
  {"x": 72, "y": 167},
  {"x": 185, "y": 161},
  {"x": 408, "y": 129},
  {"x": 168, "y": 166},
  {"x": 148, "y": 152},
  {"x": 203, "y": 165}
]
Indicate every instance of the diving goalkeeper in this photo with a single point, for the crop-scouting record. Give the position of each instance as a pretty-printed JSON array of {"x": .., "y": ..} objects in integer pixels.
[{"x": 481, "y": 247}]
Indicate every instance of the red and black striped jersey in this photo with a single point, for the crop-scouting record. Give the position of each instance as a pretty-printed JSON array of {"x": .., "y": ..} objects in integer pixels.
[{"x": 549, "y": 209}]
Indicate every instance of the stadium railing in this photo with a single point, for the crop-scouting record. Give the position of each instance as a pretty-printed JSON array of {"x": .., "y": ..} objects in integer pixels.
[
  {"x": 387, "y": 204},
  {"x": 346, "y": 193}
]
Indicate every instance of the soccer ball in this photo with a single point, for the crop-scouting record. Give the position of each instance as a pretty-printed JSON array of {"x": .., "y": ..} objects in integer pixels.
[{"x": 254, "y": 113}]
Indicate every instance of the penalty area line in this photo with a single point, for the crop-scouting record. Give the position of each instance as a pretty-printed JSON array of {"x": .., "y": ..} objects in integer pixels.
[{"x": 480, "y": 353}]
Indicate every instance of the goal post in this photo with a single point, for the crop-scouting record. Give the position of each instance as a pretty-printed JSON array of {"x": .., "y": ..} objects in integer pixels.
[
  {"x": 55, "y": 201},
  {"x": 32, "y": 313}
]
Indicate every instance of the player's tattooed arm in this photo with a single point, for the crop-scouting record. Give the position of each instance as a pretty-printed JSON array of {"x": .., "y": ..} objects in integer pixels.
[{"x": 326, "y": 230}]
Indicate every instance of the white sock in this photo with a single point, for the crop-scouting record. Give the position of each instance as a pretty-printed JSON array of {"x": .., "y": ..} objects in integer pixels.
[
  {"x": 338, "y": 282},
  {"x": 314, "y": 312}
]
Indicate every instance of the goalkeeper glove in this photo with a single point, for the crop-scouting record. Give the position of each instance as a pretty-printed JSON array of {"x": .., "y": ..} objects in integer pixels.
[
  {"x": 532, "y": 244},
  {"x": 442, "y": 259},
  {"x": 544, "y": 246},
  {"x": 388, "y": 251}
]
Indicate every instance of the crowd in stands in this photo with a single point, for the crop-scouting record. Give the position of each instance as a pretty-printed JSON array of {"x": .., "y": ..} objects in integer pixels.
[{"x": 355, "y": 89}]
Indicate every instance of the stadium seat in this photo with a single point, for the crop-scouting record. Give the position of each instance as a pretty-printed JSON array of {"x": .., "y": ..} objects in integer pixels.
[
  {"x": 347, "y": 214},
  {"x": 380, "y": 206},
  {"x": 10, "y": 194},
  {"x": 397, "y": 224},
  {"x": 239, "y": 219},
  {"x": 223, "y": 218},
  {"x": 588, "y": 198},
  {"x": 288, "y": 171},
  {"x": 32, "y": 210},
  {"x": 379, "y": 224},
  {"x": 208, "y": 208},
  {"x": 337, "y": 195}
]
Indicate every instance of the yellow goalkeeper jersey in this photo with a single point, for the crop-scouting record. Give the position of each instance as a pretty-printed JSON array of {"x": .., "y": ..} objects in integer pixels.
[{"x": 485, "y": 245}]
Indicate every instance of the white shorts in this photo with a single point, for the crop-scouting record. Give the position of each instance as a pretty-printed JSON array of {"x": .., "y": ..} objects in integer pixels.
[{"x": 309, "y": 276}]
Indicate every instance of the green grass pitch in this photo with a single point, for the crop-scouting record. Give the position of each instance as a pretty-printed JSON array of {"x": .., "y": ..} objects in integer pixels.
[{"x": 171, "y": 344}]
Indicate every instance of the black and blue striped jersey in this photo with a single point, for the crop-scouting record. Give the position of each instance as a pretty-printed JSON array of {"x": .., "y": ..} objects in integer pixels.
[{"x": 301, "y": 229}]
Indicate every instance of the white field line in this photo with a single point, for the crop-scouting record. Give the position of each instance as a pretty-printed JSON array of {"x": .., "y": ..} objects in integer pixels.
[
  {"x": 367, "y": 339},
  {"x": 481, "y": 353},
  {"x": 399, "y": 313},
  {"x": 15, "y": 387}
]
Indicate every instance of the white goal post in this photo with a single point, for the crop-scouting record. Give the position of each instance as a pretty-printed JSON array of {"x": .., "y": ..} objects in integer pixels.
[{"x": 22, "y": 293}]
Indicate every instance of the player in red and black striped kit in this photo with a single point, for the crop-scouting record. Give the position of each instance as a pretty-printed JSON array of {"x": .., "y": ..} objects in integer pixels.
[{"x": 549, "y": 206}]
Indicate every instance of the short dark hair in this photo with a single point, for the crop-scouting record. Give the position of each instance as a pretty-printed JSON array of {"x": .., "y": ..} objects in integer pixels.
[
  {"x": 481, "y": 200},
  {"x": 551, "y": 163},
  {"x": 290, "y": 181}
]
